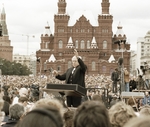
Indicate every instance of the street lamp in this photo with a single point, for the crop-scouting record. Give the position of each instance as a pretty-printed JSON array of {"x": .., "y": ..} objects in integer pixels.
[
  {"x": 122, "y": 49},
  {"x": 28, "y": 41}
]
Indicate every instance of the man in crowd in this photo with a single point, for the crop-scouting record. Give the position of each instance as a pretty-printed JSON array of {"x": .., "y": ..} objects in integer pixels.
[
  {"x": 146, "y": 99},
  {"x": 126, "y": 79},
  {"x": 114, "y": 78},
  {"x": 74, "y": 75}
]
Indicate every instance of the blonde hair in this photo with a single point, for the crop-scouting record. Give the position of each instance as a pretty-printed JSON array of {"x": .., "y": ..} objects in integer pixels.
[
  {"x": 145, "y": 110},
  {"x": 120, "y": 113},
  {"x": 49, "y": 103},
  {"x": 74, "y": 57}
]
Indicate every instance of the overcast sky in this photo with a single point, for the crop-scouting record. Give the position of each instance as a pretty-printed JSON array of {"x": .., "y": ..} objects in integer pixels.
[{"x": 29, "y": 18}]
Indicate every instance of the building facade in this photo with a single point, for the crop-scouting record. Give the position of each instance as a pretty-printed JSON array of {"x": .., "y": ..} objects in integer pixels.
[
  {"x": 133, "y": 64},
  {"x": 26, "y": 60},
  {"x": 143, "y": 51},
  {"x": 6, "y": 50},
  {"x": 93, "y": 39}
]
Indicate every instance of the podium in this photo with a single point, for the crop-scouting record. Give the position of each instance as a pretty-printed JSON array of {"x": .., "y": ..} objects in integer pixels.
[{"x": 66, "y": 89}]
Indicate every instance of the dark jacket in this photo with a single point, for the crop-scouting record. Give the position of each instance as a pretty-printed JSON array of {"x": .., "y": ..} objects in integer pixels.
[
  {"x": 78, "y": 75},
  {"x": 115, "y": 76},
  {"x": 132, "y": 85},
  {"x": 10, "y": 123}
]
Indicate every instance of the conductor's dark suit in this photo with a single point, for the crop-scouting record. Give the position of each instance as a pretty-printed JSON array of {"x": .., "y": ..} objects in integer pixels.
[{"x": 76, "y": 77}]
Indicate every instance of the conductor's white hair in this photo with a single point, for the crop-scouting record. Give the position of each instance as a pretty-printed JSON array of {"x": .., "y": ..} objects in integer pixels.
[{"x": 75, "y": 57}]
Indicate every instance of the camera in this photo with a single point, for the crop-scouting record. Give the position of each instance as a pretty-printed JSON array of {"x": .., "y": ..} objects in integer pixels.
[
  {"x": 34, "y": 86},
  {"x": 144, "y": 68}
]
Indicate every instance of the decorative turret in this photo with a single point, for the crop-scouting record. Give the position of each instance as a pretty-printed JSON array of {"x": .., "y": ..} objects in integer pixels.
[
  {"x": 105, "y": 6},
  {"x": 52, "y": 58},
  {"x": 46, "y": 39},
  {"x": 120, "y": 32},
  {"x": 120, "y": 39},
  {"x": 94, "y": 43},
  {"x": 47, "y": 31},
  {"x": 70, "y": 43},
  {"x": 62, "y": 7}
]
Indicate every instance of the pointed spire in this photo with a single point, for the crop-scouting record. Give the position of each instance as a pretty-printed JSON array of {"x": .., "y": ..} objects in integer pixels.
[
  {"x": 47, "y": 31},
  {"x": 111, "y": 59},
  {"x": 70, "y": 43},
  {"x": 94, "y": 43},
  {"x": 120, "y": 30},
  {"x": 52, "y": 58},
  {"x": 3, "y": 10},
  {"x": 3, "y": 15},
  {"x": 3, "y": 22}
]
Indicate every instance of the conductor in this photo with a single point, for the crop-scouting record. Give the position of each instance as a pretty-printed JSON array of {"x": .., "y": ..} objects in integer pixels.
[{"x": 74, "y": 75}]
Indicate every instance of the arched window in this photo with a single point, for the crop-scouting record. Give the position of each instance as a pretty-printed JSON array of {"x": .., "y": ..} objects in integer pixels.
[
  {"x": 69, "y": 64},
  {"x": 82, "y": 45},
  {"x": 88, "y": 44},
  {"x": 104, "y": 44},
  {"x": 59, "y": 68},
  {"x": 76, "y": 44},
  {"x": 111, "y": 71},
  {"x": 46, "y": 45},
  {"x": 60, "y": 44},
  {"x": 104, "y": 69},
  {"x": 93, "y": 66}
]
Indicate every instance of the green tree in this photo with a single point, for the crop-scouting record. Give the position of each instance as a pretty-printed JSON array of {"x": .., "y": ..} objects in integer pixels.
[{"x": 13, "y": 68}]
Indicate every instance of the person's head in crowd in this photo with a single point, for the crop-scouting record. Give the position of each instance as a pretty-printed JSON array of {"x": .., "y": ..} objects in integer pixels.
[
  {"x": 91, "y": 114},
  {"x": 143, "y": 121},
  {"x": 42, "y": 117},
  {"x": 5, "y": 108},
  {"x": 22, "y": 99},
  {"x": 23, "y": 92},
  {"x": 120, "y": 113},
  {"x": 68, "y": 117},
  {"x": 145, "y": 110},
  {"x": 116, "y": 69},
  {"x": 61, "y": 100},
  {"x": 16, "y": 111},
  {"x": 146, "y": 93},
  {"x": 133, "y": 102},
  {"x": 49, "y": 103},
  {"x": 97, "y": 97},
  {"x": 140, "y": 76}
]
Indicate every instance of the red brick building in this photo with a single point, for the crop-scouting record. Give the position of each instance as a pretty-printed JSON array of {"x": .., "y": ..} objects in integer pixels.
[
  {"x": 93, "y": 39},
  {"x": 6, "y": 50}
]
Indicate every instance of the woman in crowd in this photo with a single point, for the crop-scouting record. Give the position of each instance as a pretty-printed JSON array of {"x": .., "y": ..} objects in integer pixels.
[
  {"x": 91, "y": 114},
  {"x": 120, "y": 113}
]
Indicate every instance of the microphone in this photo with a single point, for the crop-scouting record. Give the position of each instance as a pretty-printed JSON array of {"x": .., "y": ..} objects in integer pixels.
[{"x": 120, "y": 61}]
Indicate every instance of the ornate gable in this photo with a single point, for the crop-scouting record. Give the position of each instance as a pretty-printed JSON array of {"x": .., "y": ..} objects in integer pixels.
[{"x": 83, "y": 21}]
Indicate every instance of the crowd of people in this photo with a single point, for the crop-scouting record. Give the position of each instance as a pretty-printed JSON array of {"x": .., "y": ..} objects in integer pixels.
[
  {"x": 55, "y": 112},
  {"x": 24, "y": 92},
  {"x": 25, "y": 101}
]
